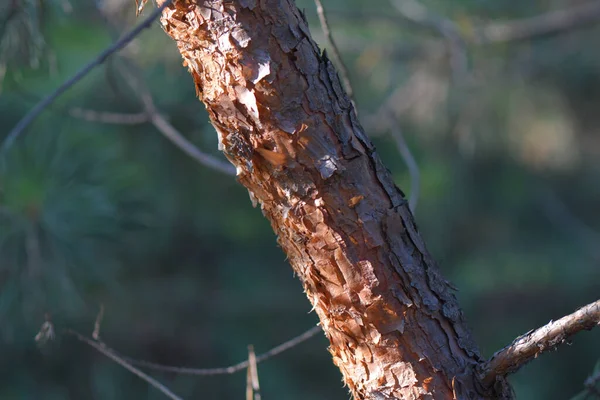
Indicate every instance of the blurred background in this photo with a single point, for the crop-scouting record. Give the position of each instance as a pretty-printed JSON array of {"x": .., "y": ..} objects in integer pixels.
[{"x": 498, "y": 104}]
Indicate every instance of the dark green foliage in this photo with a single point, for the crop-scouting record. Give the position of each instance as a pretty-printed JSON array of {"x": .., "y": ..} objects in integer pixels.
[{"x": 189, "y": 273}]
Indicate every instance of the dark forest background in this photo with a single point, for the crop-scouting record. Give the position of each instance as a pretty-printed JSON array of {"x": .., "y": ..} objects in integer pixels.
[{"x": 506, "y": 136}]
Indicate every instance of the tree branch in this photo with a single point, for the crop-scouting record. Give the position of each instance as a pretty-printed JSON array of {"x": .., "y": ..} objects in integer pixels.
[
  {"x": 169, "y": 131},
  {"x": 533, "y": 343},
  {"x": 252, "y": 384},
  {"x": 116, "y": 358},
  {"x": 232, "y": 368},
  {"x": 411, "y": 164},
  {"x": 119, "y": 44},
  {"x": 188, "y": 148}
]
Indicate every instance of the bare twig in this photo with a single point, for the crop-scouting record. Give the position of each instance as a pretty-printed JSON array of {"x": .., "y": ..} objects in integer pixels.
[
  {"x": 552, "y": 22},
  {"x": 98, "y": 323},
  {"x": 386, "y": 119},
  {"x": 532, "y": 344},
  {"x": 414, "y": 11},
  {"x": 253, "y": 374},
  {"x": 335, "y": 53},
  {"x": 411, "y": 164},
  {"x": 188, "y": 148},
  {"x": 119, "y": 44},
  {"x": 102, "y": 348},
  {"x": 169, "y": 130},
  {"x": 540, "y": 25},
  {"x": 233, "y": 368}
]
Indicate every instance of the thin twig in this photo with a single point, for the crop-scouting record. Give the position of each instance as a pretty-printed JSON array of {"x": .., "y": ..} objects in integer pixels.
[
  {"x": 335, "y": 53},
  {"x": 233, "y": 368},
  {"x": 249, "y": 391},
  {"x": 411, "y": 164},
  {"x": 169, "y": 130},
  {"x": 102, "y": 348},
  {"x": 532, "y": 344},
  {"x": 98, "y": 323},
  {"x": 119, "y": 44},
  {"x": 253, "y": 372},
  {"x": 188, "y": 148}
]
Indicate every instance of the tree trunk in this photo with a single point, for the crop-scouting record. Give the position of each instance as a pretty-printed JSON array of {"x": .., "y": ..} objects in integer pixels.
[{"x": 283, "y": 120}]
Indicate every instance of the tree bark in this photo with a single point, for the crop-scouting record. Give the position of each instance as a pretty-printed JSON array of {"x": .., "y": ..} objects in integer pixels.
[{"x": 394, "y": 325}]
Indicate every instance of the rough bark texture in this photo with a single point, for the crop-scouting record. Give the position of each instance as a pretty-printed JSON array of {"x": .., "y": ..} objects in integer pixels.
[{"x": 283, "y": 120}]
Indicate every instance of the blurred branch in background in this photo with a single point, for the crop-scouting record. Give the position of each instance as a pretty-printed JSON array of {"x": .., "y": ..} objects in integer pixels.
[
  {"x": 386, "y": 119},
  {"x": 47, "y": 333},
  {"x": 411, "y": 164},
  {"x": 530, "y": 345},
  {"x": 108, "y": 352},
  {"x": 232, "y": 368},
  {"x": 414, "y": 11},
  {"x": 173, "y": 135},
  {"x": 39, "y": 107},
  {"x": 560, "y": 215},
  {"x": 548, "y": 23}
]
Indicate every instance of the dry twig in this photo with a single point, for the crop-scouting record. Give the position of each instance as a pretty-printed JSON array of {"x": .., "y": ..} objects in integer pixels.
[
  {"x": 252, "y": 385},
  {"x": 102, "y": 348},
  {"x": 411, "y": 164},
  {"x": 533, "y": 343},
  {"x": 98, "y": 323},
  {"x": 233, "y": 368}
]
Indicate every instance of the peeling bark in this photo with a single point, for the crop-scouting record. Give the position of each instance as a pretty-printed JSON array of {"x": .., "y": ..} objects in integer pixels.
[{"x": 394, "y": 325}]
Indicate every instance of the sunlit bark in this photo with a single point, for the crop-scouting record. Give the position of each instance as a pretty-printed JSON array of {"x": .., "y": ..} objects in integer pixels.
[{"x": 395, "y": 328}]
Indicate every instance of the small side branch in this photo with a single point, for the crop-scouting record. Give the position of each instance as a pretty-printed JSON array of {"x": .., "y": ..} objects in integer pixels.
[
  {"x": 113, "y": 356},
  {"x": 233, "y": 368},
  {"x": 188, "y": 148},
  {"x": 168, "y": 130},
  {"x": 252, "y": 385},
  {"x": 411, "y": 164},
  {"x": 532, "y": 344}
]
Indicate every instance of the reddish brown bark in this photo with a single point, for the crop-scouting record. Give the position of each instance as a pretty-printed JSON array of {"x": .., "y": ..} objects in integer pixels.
[{"x": 395, "y": 328}]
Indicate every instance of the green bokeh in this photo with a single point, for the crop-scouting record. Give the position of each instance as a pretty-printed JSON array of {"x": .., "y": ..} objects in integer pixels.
[{"x": 189, "y": 272}]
